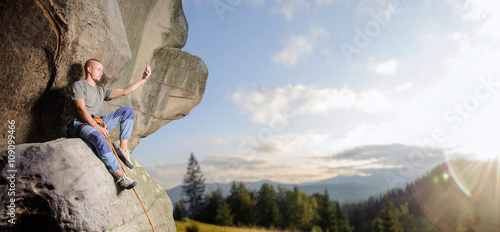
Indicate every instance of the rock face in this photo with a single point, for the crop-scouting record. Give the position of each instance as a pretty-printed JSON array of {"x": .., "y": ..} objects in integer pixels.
[
  {"x": 178, "y": 81},
  {"x": 63, "y": 186},
  {"x": 44, "y": 44}
]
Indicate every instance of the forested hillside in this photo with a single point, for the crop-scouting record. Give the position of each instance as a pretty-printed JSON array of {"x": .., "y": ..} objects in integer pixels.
[
  {"x": 459, "y": 195},
  {"x": 462, "y": 195}
]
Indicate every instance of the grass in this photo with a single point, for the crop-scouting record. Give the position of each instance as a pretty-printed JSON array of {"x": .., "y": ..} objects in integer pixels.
[{"x": 181, "y": 227}]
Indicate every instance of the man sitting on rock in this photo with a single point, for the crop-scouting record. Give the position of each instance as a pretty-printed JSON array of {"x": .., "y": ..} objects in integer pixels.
[{"x": 88, "y": 98}]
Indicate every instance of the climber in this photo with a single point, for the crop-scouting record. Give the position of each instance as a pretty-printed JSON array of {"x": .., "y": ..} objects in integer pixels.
[{"x": 88, "y": 98}]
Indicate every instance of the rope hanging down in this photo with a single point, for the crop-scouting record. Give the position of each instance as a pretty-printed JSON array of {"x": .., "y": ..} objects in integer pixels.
[{"x": 100, "y": 121}]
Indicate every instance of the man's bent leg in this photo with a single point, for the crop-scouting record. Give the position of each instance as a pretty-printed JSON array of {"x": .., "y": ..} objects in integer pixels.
[
  {"x": 89, "y": 134},
  {"x": 104, "y": 153},
  {"x": 124, "y": 117}
]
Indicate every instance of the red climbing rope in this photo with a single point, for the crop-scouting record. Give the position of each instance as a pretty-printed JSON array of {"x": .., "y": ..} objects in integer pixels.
[{"x": 100, "y": 121}]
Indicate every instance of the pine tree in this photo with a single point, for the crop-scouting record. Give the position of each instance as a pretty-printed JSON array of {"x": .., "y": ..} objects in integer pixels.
[
  {"x": 407, "y": 220},
  {"x": 267, "y": 207},
  {"x": 326, "y": 213},
  {"x": 194, "y": 187},
  {"x": 214, "y": 200},
  {"x": 300, "y": 211},
  {"x": 387, "y": 220},
  {"x": 242, "y": 204},
  {"x": 378, "y": 225},
  {"x": 180, "y": 210},
  {"x": 342, "y": 220},
  {"x": 344, "y": 224},
  {"x": 357, "y": 219},
  {"x": 281, "y": 200},
  {"x": 224, "y": 216}
]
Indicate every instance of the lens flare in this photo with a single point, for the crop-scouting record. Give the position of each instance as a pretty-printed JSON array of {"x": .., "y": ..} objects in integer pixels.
[
  {"x": 458, "y": 190},
  {"x": 445, "y": 176},
  {"x": 457, "y": 174},
  {"x": 470, "y": 176}
]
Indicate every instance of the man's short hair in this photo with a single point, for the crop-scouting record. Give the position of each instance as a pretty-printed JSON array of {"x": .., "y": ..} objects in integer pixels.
[{"x": 87, "y": 64}]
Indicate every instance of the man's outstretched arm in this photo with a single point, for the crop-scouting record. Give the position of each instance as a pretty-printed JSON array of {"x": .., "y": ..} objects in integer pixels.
[{"x": 116, "y": 93}]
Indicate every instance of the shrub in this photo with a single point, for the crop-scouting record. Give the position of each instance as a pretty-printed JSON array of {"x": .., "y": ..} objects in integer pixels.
[{"x": 192, "y": 228}]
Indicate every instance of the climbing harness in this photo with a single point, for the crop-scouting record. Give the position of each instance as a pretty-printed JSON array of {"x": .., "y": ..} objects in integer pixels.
[{"x": 100, "y": 121}]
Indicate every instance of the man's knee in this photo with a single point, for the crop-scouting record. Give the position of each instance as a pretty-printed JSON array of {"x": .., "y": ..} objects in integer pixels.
[{"x": 127, "y": 112}]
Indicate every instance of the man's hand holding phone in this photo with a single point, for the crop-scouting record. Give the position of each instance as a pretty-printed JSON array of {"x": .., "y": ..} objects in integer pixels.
[{"x": 147, "y": 71}]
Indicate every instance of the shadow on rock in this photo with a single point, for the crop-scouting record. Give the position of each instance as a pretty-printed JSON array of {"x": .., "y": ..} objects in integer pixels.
[{"x": 54, "y": 110}]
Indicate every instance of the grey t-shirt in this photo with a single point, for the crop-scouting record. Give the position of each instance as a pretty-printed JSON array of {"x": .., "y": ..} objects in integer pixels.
[{"x": 93, "y": 95}]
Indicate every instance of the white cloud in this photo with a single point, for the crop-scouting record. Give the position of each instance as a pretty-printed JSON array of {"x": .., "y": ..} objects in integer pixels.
[
  {"x": 288, "y": 8},
  {"x": 298, "y": 47},
  {"x": 287, "y": 157},
  {"x": 457, "y": 36},
  {"x": 320, "y": 3},
  {"x": 373, "y": 101},
  {"x": 370, "y": 6},
  {"x": 303, "y": 144},
  {"x": 317, "y": 33},
  {"x": 387, "y": 67},
  {"x": 487, "y": 12},
  {"x": 227, "y": 168},
  {"x": 481, "y": 9},
  {"x": 166, "y": 174},
  {"x": 319, "y": 155},
  {"x": 404, "y": 87},
  {"x": 271, "y": 106}
]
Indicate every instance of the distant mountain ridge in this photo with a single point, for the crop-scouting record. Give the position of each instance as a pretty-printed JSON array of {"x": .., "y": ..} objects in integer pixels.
[
  {"x": 340, "y": 188},
  {"x": 395, "y": 167}
]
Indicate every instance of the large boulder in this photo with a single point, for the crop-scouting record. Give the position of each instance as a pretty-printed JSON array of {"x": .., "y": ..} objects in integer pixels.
[
  {"x": 44, "y": 44},
  {"x": 62, "y": 185},
  {"x": 43, "y": 47}
]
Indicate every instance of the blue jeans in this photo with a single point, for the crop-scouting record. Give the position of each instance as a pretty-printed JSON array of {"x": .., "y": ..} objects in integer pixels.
[{"x": 123, "y": 116}]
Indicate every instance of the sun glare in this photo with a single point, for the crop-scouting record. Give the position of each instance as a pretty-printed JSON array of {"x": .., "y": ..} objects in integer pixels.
[
  {"x": 470, "y": 175},
  {"x": 485, "y": 156},
  {"x": 461, "y": 187}
]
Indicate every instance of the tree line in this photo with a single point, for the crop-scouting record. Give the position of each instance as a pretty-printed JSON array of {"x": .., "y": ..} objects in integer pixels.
[
  {"x": 267, "y": 207},
  {"x": 432, "y": 203},
  {"x": 281, "y": 209}
]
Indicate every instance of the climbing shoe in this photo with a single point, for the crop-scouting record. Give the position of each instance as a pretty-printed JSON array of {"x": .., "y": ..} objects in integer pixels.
[
  {"x": 125, "y": 157},
  {"x": 126, "y": 182}
]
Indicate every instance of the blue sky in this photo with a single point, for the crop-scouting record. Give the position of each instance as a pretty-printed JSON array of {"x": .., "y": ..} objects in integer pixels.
[{"x": 295, "y": 85}]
